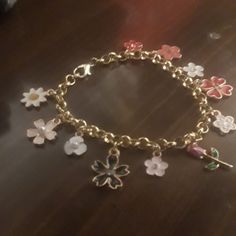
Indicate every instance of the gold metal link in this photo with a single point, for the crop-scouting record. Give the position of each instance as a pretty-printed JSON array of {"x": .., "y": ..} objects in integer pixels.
[{"x": 205, "y": 110}]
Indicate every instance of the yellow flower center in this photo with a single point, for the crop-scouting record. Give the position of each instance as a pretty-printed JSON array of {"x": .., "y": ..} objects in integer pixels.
[{"x": 34, "y": 96}]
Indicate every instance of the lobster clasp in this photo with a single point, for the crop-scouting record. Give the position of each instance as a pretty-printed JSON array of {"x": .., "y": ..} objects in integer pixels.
[{"x": 82, "y": 70}]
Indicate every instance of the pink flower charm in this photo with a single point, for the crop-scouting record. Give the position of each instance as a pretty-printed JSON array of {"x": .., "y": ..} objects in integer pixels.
[
  {"x": 156, "y": 166},
  {"x": 169, "y": 52},
  {"x": 216, "y": 87},
  {"x": 133, "y": 46},
  {"x": 42, "y": 131}
]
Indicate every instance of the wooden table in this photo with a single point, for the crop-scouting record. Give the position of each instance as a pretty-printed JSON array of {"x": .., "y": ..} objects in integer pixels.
[{"x": 43, "y": 192}]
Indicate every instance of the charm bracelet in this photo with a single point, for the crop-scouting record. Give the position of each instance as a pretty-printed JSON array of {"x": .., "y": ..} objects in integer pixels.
[{"x": 111, "y": 172}]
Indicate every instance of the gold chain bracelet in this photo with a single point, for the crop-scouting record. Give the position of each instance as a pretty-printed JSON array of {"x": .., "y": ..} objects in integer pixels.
[{"x": 110, "y": 173}]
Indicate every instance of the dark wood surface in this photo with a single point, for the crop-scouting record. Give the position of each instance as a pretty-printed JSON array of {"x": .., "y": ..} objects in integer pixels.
[{"x": 42, "y": 192}]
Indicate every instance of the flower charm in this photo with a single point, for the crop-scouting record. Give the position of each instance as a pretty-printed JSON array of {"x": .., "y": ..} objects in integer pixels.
[
  {"x": 216, "y": 87},
  {"x": 34, "y": 97},
  {"x": 156, "y": 166},
  {"x": 224, "y": 123},
  {"x": 169, "y": 52},
  {"x": 42, "y": 131},
  {"x": 110, "y": 172},
  {"x": 194, "y": 70},
  {"x": 75, "y": 145},
  {"x": 133, "y": 46}
]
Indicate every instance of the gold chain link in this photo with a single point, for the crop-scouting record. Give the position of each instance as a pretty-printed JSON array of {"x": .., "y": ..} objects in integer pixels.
[{"x": 202, "y": 126}]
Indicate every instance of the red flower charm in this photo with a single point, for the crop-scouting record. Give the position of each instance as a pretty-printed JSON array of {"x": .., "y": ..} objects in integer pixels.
[
  {"x": 169, "y": 52},
  {"x": 216, "y": 87},
  {"x": 133, "y": 46}
]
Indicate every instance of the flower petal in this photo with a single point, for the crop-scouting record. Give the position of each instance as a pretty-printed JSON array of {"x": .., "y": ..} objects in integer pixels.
[
  {"x": 122, "y": 170},
  {"x": 38, "y": 140},
  {"x": 218, "y": 81},
  {"x": 156, "y": 160},
  {"x": 226, "y": 90},
  {"x": 99, "y": 167},
  {"x": 112, "y": 161},
  {"x": 100, "y": 180},
  {"x": 68, "y": 149},
  {"x": 159, "y": 172},
  {"x": 23, "y": 100},
  {"x": 50, "y": 125},
  {"x": 163, "y": 165},
  {"x": 207, "y": 84},
  {"x": 115, "y": 182},
  {"x": 81, "y": 149},
  {"x": 36, "y": 103},
  {"x": 192, "y": 73},
  {"x": 148, "y": 163},
  {"x": 76, "y": 139},
  {"x": 39, "y": 90},
  {"x": 150, "y": 171},
  {"x": 50, "y": 135},
  {"x": 32, "y": 133},
  {"x": 214, "y": 93},
  {"x": 39, "y": 123}
]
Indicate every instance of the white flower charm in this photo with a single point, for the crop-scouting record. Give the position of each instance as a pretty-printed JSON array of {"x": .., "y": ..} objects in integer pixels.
[
  {"x": 224, "y": 123},
  {"x": 75, "y": 145},
  {"x": 156, "y": 166},
  {"x": 42, "y": 131},
  {"x": 34, "y": 97},
  {"x": 194, "y": 70}
]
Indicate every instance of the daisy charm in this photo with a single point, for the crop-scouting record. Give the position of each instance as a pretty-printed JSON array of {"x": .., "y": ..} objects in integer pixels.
[
  {"x": 224, "y": 123},
  {"x": 75, "y": 145},
  {"x": 42, "y": 131},
  {"x": 194, "y": 70},
  {"x": 34, "y": 97},
  {"x": 156, "y": 166}
]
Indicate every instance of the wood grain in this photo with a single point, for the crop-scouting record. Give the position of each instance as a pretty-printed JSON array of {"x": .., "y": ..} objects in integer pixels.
[{"x": 44, "y": 193}]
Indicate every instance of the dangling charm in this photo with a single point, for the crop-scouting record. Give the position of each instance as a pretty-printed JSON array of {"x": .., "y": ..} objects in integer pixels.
[
  {"x": 75, "y": 145},
  {"x": 156, "y": 166},
  {"x": 111, "y": 172},
  {"x": 224, "y": 123},
  {"x": 43, "y": 131},
  {"x": 216, "y": 87},
  {"x": 212, "y": 155},
  {"x": 34, "y": 97}
]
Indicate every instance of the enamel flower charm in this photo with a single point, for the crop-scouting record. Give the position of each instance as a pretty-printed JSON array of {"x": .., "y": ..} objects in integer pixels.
[
  {"x": 42, "y": 131},
  {"x": 110, "y": 173},
  {"x": 216, "y": 87},
  {"x": 75, "y": 145},
  {"x": 133, "y": 46},
  {"x": 169, "y": 52},
  {"x": 193, "y": 70},
  {"x": 224, "y": 123},
  {"x": 34, "y": 97},
  {"x": 156, "y": 166}
]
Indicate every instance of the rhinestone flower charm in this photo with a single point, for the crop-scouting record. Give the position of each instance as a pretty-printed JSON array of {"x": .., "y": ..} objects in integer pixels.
[
  {"x": 34, "y": 97},
  {"x": 194, "y": 70},
  {"x": 75, "y": 145},
  {"x": 110, "y": 173},
  {"x": 156, "y": 166},
  {"x": 133, "y": 46},
  {"x": 169, "y": 52},
  {"x": 224, "y": 123},
  {"x": 216, "y": 87},
  {"x": 42, "y": 131}
]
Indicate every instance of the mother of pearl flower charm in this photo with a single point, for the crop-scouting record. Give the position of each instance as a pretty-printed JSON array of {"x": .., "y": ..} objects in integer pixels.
[
  {"x": 224, "y": 123},
  {"x": 156, "y": 166},
  {"x": 42, "y": 131},
  {"x": 75, "y": 145}
]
